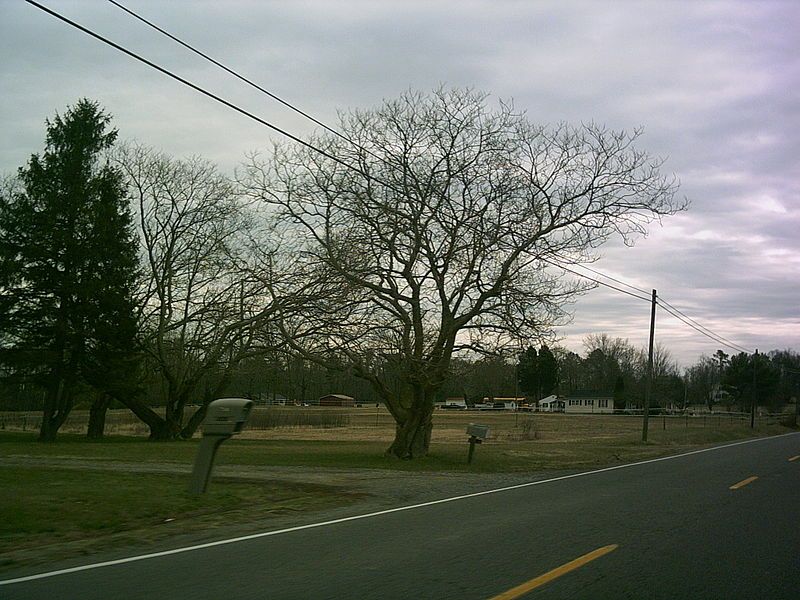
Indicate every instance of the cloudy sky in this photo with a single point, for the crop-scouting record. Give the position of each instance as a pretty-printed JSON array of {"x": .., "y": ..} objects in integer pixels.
[{"x": 716, "y": 86}]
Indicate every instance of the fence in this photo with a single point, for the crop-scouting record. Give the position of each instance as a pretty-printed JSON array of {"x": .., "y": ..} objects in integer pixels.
[
  {"x": 124, "y": 422},
  {"x": 511, "y": 423}
]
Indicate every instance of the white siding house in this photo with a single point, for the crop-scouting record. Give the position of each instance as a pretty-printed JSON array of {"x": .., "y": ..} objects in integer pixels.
[
  {"x": 503, "y": 403},
  {"x": 551, "y": 404},
  {"x": 456, "y": 403},
  {"x": 589, "y": 402}
]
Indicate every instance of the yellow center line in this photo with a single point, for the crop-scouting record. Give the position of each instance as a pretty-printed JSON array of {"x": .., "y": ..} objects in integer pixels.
[
  {"x": 539, "y": 581},
  {"x": 743, "y": 483},
  {"x": 794, "y": 458}
]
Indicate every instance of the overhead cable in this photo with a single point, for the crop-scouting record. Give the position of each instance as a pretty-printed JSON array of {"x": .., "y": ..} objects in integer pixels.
[
  {"x": 597, "y": 281},
  {"x": 712, "y": 336},
  {"x": 595, "y": 271},
  {"x": 205, "y": 92},
  {"x": 731, "y": 342},
  {"x": 660, "y": 302},
  {"x": 241, "y": 77}
]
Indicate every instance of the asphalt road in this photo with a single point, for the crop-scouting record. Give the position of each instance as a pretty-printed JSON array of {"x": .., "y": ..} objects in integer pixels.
[{"x": 669, "y": 529}]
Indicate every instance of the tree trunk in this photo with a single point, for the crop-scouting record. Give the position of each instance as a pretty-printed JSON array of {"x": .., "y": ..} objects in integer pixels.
[
  {"x": 412, "y": 437},
  {"x": 164, "y": 432},
  {"x": 160, "y": 429},
  {"x": 194, "y": 421},
  {"x": 57, "y": 406},
  {"x": 97, "y": 417}
]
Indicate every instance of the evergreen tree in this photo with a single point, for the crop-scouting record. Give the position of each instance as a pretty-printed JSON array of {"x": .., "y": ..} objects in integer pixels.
[
  {"x": 548, "y": 371},
  {"x": 528, "y": 372},
  {"x": 744, "y": 371},
  {"x": 619, "y": 393},
  {"x": 69, "y": 260}
]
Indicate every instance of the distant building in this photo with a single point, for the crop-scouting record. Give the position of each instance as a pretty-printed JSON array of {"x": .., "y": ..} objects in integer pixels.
[
  {"x": 454, "y": 403},
  {"x": 337, "y": 400},
  {"x": 719, "y": 395},
  {"x": 503, "y": 403},
  {"x": 274, "y": 400},
  {"x": 551, "y": 404},
  {"x": 589, "y": 402}
]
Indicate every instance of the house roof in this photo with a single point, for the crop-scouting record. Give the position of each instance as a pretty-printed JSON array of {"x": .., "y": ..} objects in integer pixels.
[
  {"x": 590, "y": 394},
  {"x": 339, "y": 396}
]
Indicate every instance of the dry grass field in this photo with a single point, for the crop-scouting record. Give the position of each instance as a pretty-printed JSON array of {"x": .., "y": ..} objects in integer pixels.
[{"x": 375, "y": 424}]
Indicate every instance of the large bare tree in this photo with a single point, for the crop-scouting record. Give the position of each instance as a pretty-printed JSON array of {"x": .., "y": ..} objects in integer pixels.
[{"x": 440, "y": 239}]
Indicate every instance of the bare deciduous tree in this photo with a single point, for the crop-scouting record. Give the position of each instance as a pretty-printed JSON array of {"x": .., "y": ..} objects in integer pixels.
[
  {"x": 200, "y": 303},
  {"x": 442, "y": 242}
]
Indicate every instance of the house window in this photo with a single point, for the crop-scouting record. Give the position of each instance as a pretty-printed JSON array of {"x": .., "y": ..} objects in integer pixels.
[
  {"x": 589, "y": 402},
  {"x": 602, "y": 403}
]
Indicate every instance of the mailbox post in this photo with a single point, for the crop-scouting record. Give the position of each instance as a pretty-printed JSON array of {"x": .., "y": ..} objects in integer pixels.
[
  {"x": 224, "y": 418},
  {"x": 477, "y": 433}
]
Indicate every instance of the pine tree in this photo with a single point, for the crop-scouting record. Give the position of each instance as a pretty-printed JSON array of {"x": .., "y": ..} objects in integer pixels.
[
  {"x": 548, "y": 371},
  {"x": 528, "y": 372},
  {"x": 69, "y": 266}
]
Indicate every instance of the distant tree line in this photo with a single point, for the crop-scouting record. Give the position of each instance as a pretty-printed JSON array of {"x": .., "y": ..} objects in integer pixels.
[{"x": 733, "y": 382}]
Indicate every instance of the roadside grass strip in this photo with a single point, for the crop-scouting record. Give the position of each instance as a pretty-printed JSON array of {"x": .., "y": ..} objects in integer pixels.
[
  {"x": 541, "y": 580},
  {"x": 743, "y": 483}
]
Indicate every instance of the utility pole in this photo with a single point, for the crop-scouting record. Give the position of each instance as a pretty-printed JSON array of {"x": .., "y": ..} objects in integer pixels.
[
  {"x": 649, "y": 387},
  {"x": 796, "y": 399},
  {"x": 753, "y": 405},
  {"x": 516, "y": 388}
]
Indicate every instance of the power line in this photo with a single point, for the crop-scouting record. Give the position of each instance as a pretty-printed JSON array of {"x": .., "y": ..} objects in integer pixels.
[
  {"x": 661, "y": 302},
  {"x": 700, "y": 325},
  {"x": 711, "y": 335},
  {"x": 597, "y": 281},
  {"x": 633, "y": 287},
  {"x": 205, "y": 92},
  {"x": 241, "y": 77}
]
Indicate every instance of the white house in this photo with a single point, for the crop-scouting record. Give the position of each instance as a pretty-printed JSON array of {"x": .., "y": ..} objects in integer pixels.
[
  {"x": 453, "y": 403},
  {"x": 551, "y": 404},
  {"x": 503, "y": 403},
  {"x": 589, "y": 402}
]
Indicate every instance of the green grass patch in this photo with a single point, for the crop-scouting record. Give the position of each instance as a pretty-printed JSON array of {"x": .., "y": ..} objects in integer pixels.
[{"x": 46, "y": 506}]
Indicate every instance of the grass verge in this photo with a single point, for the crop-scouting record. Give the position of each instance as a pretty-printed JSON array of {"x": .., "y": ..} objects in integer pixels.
[{"x": 50, "y": 513}]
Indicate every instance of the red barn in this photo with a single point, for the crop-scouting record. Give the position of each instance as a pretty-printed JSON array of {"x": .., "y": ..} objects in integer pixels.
[{"x": 337, "y": 400}]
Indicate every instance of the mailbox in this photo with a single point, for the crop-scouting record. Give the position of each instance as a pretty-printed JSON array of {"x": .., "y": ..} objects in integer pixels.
[
  {"x": 224, "y": 418},
  {"x": 479, "y": 431}
]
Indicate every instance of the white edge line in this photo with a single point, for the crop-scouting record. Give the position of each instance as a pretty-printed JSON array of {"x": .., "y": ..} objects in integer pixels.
[{"x": 387, "y": 511}]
